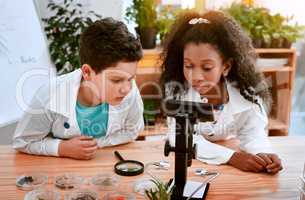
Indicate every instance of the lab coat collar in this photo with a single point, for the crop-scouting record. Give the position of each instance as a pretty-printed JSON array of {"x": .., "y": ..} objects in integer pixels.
[
  {"x": 237, "y": 103},
  {"x": 63, "y": 93}
]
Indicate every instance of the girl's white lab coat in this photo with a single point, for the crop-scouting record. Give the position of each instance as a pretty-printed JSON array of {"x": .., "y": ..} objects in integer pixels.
[
  {"x": 51, "y": 117},
  {"x": 240, "y": 118}
]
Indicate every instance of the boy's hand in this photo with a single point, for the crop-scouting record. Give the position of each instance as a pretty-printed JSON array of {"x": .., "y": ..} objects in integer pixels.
[
  {"x": 274, "y": 164},
  {"x": 82, "y": 147},
  {"x": 247, "y": 162}
]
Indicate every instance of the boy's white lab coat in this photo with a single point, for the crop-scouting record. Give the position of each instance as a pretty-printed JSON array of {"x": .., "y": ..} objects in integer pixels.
[
  {"x": 51, "y": 117},
  {"x": 240, "y": 118}
]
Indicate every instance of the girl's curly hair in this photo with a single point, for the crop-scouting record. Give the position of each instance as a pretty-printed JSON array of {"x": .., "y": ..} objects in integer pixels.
[{"x": 227, "y": 37}]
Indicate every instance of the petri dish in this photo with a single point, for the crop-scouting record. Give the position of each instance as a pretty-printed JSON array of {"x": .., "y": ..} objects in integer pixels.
[
  {"x": 82, "y": 194},
  {"x": 68, "y": 181},
  {"x": 105, "y": 181},
  {"x": 143, "y": 184},
  {"x": 31, "y": 181},
  {"x": 116, "y": 195},
  {"x": 42, "y": 194}
]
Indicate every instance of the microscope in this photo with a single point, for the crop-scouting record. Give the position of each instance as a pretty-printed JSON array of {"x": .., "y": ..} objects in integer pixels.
[{"x": 187, "y": 114}]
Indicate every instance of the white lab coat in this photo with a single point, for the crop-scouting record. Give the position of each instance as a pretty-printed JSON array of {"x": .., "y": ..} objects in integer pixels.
[
  {"x": 51, "y": 117},
  {"x": 240, "y": 118}
]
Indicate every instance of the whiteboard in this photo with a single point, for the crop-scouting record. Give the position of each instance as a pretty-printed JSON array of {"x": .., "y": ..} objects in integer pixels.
[{"x": 24, "y": 58}]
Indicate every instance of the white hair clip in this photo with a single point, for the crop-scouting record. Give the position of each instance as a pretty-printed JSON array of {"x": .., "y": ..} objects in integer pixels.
[{"x": 199, "y": 21}]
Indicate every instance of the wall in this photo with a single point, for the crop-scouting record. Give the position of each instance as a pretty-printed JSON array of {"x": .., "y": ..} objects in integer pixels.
[{"x": 106, "y": 8}]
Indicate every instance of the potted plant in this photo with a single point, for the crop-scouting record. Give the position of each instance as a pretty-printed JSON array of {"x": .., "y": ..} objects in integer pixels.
[
  {"x": 291, "y": 34},
  {"x": 63, "y": 30},
  {"x": 160, "y": 192},
  {"x": 144, "y": 14},
  {"x": 165, "y": 19},
  {"x": 265, "y": 29}
]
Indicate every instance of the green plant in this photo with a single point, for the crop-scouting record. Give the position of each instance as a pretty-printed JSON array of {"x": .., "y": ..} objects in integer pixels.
[
  {"x": 262, "y": 26},
  {"x": 143, "y": 13},
  {"x": 161, "y": 192},
  {"x": 292, "y": 33},
  {"x": 63, "y": 31},
  {"x": 166, "y": 17},
  {"x": 149, "y": 109}
]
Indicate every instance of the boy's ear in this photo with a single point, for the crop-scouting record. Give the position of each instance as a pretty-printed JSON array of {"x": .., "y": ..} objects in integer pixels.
[
  {"x": 86, "y": 71},
  {"x": 227, "y": 67}
]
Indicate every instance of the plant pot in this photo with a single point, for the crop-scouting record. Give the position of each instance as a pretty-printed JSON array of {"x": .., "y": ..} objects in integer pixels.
[
  {"x": 266, "y": 44},
  {"x": 286, "y": 43},
  {"x": 257, "y": 43},
  {"x": 149, "y": 121},
  {"x": 147, "y": 37},
  {"x": 276, "y": 43}
]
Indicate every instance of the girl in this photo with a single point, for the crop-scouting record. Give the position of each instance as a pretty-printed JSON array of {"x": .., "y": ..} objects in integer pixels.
[
  {"x": 207, "y": 58},
  {"x": 95, "y": 106}
]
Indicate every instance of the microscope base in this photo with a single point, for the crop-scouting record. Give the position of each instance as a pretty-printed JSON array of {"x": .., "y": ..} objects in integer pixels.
[{"x": 204, "y": 194}]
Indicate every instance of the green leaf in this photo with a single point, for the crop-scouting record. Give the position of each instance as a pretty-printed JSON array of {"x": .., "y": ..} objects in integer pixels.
[
  {"x": 261, "y": 24},
  {"x": 160, "y": 192},
  {"x": 63, "y": 31}
]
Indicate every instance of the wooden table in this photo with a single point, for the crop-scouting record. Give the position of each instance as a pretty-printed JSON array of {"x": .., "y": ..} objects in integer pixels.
[{"x": 230, "y": 185}]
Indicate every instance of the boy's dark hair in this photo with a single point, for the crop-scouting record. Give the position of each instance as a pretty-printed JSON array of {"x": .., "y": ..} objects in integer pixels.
[
  {"x": 225, "y": 34},
  {"x": 106, "y": 42}
]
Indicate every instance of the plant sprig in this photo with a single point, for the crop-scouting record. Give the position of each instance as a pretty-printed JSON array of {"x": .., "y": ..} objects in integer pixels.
[
  {"x": 161, "y": 192},
  {"x": 63, "y": 30},
  {"x": 259, "y": 23},
  {"x": 143, "y": 13}
]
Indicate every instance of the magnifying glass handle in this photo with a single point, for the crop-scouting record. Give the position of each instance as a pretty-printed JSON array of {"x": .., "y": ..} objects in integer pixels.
[{"x": 118, "y": 155}]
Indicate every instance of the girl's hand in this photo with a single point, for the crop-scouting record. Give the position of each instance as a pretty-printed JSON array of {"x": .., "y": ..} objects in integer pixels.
[
  {"x": 82, "y": 147},
  {"x": 247, "y": 162},
  {"x": 274, "y": 164}
]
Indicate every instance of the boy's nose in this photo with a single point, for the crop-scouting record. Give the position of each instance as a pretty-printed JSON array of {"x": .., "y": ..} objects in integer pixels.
[{"x": 125, "y": 89}]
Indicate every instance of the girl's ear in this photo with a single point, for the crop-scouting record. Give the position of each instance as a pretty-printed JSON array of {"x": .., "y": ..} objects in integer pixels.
[
  {"x": 227, "y": 67},
  {"x": 87, "y": 72}
]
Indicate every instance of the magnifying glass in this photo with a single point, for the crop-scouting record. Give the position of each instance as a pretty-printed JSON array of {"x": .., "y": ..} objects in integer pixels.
[{"x": 127, "y": 167}]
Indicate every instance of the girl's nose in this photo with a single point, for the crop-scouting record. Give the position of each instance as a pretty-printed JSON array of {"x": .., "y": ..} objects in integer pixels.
[{"x": 197, "y": 78}]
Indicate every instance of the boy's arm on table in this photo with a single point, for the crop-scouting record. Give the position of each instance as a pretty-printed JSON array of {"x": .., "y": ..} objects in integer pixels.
[{"x": 32, "y": 132}]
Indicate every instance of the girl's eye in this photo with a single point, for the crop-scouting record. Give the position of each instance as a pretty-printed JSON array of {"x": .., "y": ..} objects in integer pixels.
[
  {"x": 116, "y": 81},
  {"x": 207, "y": 67},
  {"x": 188, "y": 66}
]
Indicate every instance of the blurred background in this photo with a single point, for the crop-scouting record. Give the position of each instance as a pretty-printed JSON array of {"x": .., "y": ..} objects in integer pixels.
[{"x": 39, "y": 40}]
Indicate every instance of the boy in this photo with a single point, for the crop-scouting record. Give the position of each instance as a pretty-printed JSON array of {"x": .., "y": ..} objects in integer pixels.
[{"x": 97, "y": 105}]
